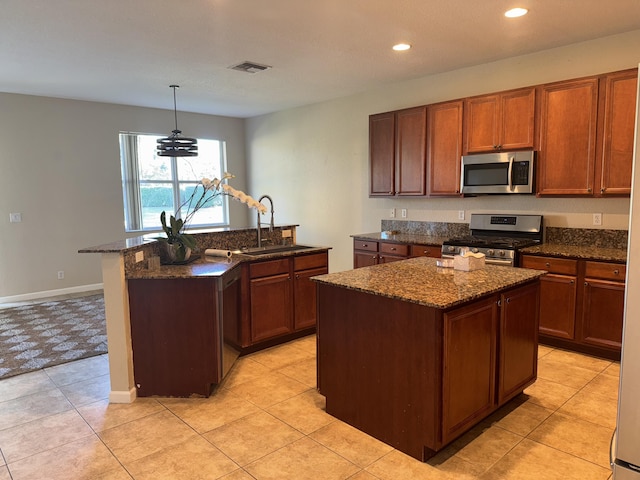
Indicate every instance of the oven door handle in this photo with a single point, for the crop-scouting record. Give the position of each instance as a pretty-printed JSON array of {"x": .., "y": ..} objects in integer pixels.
[
  {"x": 510, "y": 172},
  {"x": 497, "y": 261}
]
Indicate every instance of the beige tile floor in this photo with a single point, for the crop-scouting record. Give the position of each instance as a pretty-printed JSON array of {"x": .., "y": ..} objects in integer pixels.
[{"x": 267, "y": 422}]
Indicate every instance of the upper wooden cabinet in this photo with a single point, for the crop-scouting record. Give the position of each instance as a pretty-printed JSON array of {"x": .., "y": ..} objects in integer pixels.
[
  {"x": 586, "y": 135},
  {"x": 502, "y": 121},
  {"x": 397, "y": 146},
  {"x": 444, "y": 148},
  {"x": 567, "y": 145},
  {"x": 620, "y": 91}
]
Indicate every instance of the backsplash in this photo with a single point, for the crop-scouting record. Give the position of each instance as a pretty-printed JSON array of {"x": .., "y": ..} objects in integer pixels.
[
  {"x": 435, "y": 229},
  {"x": 587, "y": 237}
]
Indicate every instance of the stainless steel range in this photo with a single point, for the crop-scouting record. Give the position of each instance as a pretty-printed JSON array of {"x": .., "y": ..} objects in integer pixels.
[{"x": 497, "y": 236}]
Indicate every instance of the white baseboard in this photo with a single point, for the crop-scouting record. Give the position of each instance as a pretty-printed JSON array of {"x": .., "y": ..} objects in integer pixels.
[
  {"x": 51, "y": 293},
  {"x": 122, "y": 396}
]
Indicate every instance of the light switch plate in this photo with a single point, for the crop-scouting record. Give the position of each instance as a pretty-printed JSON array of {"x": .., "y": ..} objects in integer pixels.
[{"x": 15, "y": 217}]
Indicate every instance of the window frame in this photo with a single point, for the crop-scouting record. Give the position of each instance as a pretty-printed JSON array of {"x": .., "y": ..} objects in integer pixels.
[{"x": 131, "y": 184}]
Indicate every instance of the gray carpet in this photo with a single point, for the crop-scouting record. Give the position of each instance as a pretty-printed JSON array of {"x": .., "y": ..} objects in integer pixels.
[{"x": 45, "y": 334}]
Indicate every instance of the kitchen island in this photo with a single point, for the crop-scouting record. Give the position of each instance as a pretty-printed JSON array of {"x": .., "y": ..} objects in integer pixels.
[{"x": 415, "y": 355}]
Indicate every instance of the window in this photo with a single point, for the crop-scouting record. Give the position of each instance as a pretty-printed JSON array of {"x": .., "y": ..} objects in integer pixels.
[{"x": 151, "y": 184}]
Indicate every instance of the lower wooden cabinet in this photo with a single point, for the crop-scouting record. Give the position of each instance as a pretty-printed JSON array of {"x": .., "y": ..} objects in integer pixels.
[
  {"x": 280, "y": 297},
  {"x": 416, "y": 377},
  {"x": 581, "y": 304},
  {"x": 603, "y": 304},
  {"x": 180, "y": 332},
  {"x": 490, "y": 356},
  {"x": 371, "y": 252}
]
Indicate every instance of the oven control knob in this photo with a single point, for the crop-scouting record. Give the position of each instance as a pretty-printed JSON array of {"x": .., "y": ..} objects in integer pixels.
[
  {"x": 474, "y": 250},
  {"x": 501, "y": 253},
  {"x": 451, "y": 248},
  {"x": 491, "y": 252}
]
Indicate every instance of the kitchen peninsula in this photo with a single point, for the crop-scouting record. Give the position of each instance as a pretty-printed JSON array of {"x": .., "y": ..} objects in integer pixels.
[
  {"x": 415, "y": 354},
  {"x": 175, "y": 330}
]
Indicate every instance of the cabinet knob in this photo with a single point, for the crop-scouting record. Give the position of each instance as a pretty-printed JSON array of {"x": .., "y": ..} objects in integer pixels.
[
  {"x": 508, "y": 300},
  {"x": 616, "y": 272},
  {"x": 572, "y": 282},
  {"x": 393, "y": 249},
  {"x": 547, "y": 264},
  {"x": 589, "y": 189},
  {"x": 602, "y": 190},
  {"x": 586, "y": 284},
  {"x": 365, "y": 245}
]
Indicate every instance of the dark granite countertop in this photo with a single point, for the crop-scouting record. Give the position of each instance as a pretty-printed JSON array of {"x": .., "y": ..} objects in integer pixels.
[
  {"x": 578, "y": 252},
  {"x": 210, "y": 266},
  {"x": 414, "y": 238},
  {"x": 421, "y": 281}
]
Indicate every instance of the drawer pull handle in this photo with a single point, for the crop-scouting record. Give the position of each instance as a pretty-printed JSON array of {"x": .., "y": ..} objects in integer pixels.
[
  {"x": 365, "y": 245},
  {"x": 547, "y": 264},
  {"x": 616, "y": 272},
  {"x": 393, "y": 249}
]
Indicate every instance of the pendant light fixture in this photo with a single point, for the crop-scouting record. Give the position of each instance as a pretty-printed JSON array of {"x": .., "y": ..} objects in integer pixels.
[{"x": 175, "y": 145}]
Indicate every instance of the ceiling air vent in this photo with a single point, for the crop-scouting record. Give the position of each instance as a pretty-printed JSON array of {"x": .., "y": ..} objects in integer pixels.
[{"x": 250, "y": 67}]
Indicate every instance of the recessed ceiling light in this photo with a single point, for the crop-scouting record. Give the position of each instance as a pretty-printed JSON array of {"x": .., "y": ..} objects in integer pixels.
[
  {"x": 401, "y": 46},
  {"x": 516, "y": 12}
]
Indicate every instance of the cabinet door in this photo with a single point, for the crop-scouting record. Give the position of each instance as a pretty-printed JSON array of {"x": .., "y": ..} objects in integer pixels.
[
  {"x": 305, "y": 298},
  {"x": 481, "y": 123},
  {"x": 270, "y": 306},
  {"x": 517, "y": 119},
  {"x": 567, "y": 141},
  {"x": 364, "y": 259},
  {"x": 558, "y": 305},
  {"x": 469, "y": 375},
  {"x": 518, "y": 355},
  {"x": 602, "y": 313},
  {"x": 385, "y": 258},
  {"x": 619, "y": 128},
  {"x": 444, "y": 148},
  {"x": 382, "y": 144},
  {"x": 411, "y": 130}
]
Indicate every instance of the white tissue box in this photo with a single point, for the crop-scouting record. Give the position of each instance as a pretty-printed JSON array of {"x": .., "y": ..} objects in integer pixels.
[{"x": 468, "y": 261}]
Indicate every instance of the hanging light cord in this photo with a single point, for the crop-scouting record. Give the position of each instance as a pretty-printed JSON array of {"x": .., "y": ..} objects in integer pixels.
[{"x": 175, "y": 108}]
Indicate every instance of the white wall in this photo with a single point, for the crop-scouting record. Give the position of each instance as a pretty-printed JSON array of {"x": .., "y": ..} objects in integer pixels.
[
  {"x": 60, "y": 168},
  {"x": 314, "y": 160}
]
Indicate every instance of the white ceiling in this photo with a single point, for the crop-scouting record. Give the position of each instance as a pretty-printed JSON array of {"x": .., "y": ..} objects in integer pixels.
[{"x": 130, "y": 51}]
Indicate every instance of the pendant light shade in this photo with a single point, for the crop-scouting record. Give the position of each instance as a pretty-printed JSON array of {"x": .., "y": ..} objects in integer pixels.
[{"x": 175, "y": 145}]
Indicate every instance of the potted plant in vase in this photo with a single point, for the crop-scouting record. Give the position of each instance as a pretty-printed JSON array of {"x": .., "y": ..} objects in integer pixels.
[{"x": 178, "y": 245}]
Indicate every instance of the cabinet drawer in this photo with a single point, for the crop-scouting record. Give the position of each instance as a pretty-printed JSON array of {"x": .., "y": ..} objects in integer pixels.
[
  {"x": 425, "y": 251},
  {"x": 551, "y": 264},
  {"x": 370, "y": 245},
  {"x": 608, "y": 271},
  {"x": 272, "y": 267},
  {"x": 394, "y": 249},
  {"x": 305, "y": 262}
]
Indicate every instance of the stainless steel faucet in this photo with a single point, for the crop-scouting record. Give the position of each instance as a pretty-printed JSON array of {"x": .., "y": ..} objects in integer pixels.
[{"x": 270, "y": 224}]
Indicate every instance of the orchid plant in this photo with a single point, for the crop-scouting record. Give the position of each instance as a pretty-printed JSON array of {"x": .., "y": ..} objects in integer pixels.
[{"x": 211, "y": 189}]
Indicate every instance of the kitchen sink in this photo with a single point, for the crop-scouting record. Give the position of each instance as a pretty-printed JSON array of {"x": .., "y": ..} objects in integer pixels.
[{"x": 270, "y": 249}]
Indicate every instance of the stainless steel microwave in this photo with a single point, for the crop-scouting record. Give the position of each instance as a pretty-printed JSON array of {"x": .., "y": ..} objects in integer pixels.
[{"x": 491, "y": 173}]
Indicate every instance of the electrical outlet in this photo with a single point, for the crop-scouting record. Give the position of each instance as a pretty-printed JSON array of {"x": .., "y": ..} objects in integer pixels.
[
  {"x": 597, "y": 219},
  {"x": 60, "y": 274},
  {"x": 139, "y": 256},
  {"x": 404, "y": 213},
  {"x": 392, "y": 213},
  {"x": 15, "y": 217},
  {"x": 460, "y": 214}
]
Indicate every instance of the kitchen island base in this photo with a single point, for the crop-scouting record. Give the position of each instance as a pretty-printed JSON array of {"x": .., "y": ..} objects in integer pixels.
[{"x": 417, "y": 377}]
